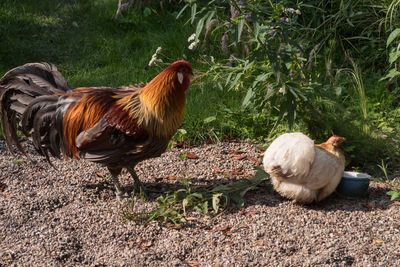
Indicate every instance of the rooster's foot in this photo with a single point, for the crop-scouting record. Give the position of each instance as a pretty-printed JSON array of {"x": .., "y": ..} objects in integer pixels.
[{"x": 121, "y": 196}]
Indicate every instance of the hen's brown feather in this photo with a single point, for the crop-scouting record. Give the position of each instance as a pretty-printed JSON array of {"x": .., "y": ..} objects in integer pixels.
[{"x": 303, "y": 171}]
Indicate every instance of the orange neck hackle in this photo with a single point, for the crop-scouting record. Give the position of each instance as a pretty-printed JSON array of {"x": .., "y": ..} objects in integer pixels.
[{"x": 162, "y": 101}]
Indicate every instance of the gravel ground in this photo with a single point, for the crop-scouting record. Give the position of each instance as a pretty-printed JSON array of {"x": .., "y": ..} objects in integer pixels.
[{"x": 70, "y": 217}]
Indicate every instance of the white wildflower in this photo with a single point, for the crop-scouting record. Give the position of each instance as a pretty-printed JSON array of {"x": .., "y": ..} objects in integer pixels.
[
  {"x": 193, "y": 45},
  {"x": 290, "y": 10},
  {"x": 154, "y": 60},
  {"x": 281, "y": 90},
  {"x": 191, "y": 37}
]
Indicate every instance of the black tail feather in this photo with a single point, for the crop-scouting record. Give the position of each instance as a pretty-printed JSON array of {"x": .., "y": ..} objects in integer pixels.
[{"x": 30, "y": 94}]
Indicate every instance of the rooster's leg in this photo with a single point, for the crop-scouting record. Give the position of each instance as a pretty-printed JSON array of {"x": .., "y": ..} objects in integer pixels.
[
  {"x": 118, "y": 190},
  {"x": 137, "y": 185}
]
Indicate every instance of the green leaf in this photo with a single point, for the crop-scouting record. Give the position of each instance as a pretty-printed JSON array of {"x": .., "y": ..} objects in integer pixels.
[
  {"x": 205, "y": 208},
  {"x": 194, "y": 8},
  {"x": 228, "y": 79},
  {"x": 182, "y": 10},
  {"x": 248, "y": 97},
  {"x": 395, "y": 194},
  {"x": 238, "y": 200},
  {"x": 338, "y": 90},
  {"x": 259, "y": 176},
  {"x": 216, "y": 201},
  {"x": 393, "y": 56},
  {"x": 198, "y": 195},
  {"x": 263, "y": 77},
  {"x": 239, "y": 29},
  {"x": 209, "y": 15},
  {"x": 392, "y": 36},
  {"x": 185, "y": 202},
  {"x": 209, "y": 119},
  {"x": 234, "y": 82},
  {"x": 392, "y": 74},
  {"x": 199, "y": 28},
  {"x": 147, "y": 12}
]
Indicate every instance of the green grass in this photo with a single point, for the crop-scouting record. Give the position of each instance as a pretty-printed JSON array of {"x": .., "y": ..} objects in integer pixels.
[{"x": 90, "y": 49}]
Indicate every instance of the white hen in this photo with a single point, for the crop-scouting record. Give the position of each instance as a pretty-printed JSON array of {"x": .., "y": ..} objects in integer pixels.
[{"x": 303, "y": 171}]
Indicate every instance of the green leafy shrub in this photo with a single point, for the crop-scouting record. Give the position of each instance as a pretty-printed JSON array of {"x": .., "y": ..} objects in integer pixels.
[{"x": 301, "y": 64}]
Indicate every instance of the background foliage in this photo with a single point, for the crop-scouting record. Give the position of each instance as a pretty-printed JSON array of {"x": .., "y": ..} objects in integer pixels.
[{"x": 262, "y": 67}]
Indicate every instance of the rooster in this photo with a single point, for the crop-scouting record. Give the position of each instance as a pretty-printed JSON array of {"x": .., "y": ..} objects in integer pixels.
[
  {"x": 303, "y": 171},
  {"x": 117, "y": 127}
]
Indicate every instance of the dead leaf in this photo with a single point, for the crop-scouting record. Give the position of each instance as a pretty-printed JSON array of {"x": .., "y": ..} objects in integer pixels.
[
  {"x": 130, "y": 244},
  {"x": 213, "y": 244},
  {"x": 260, "y": 243},
  {"x": 191, "y": 219},
  {"x": 191, "y": 156},
  {"x": 238, "y": 171},
  {"x": 229, "y": 244},
  {"x": 172, "y": 178},
  {"x": 377, "y": 241},
  {"x": 218, "y": 171},
  {"x": 239, "y": 157},
  {"x": 236, "y": 152},
  {"x": 176, "y": 227},
  {"x": 6, "y": 196},
  {"x": 253, "y": 159},
  {"x": 193, "y": 263},
  {"x": 100, "y": 174},
  {"x": 148, "y": 244},
  {"x": 221, "y": 229},
  {"x": 230, "y": 232},
  {"x": 251, "y": 213},
  {"x": 338, "y": 234}
]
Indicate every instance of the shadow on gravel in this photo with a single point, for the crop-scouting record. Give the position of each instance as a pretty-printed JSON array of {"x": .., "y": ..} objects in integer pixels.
[{"x": 376, "y": 198}]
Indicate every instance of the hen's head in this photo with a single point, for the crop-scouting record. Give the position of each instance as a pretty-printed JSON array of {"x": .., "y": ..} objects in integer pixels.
[
  {"x": 336, "y": 141},
  {"x": 183, "y": 72}
]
